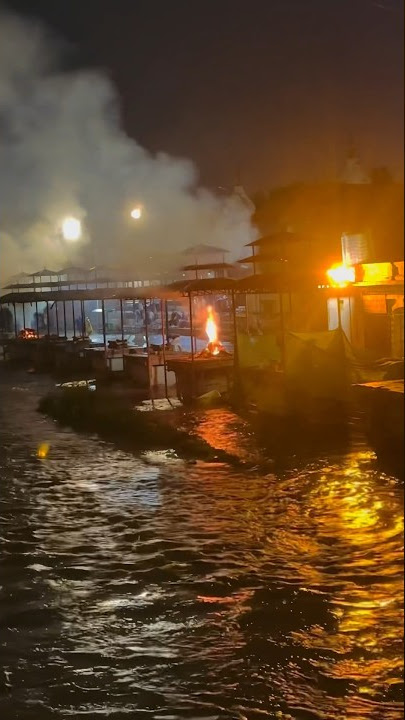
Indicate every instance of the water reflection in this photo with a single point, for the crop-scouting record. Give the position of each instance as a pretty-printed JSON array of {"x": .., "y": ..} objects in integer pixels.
[{"x": 155, "y": 588}]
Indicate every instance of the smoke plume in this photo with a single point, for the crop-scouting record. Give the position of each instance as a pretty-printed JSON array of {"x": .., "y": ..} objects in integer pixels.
[{"x": 63, "y": 153}]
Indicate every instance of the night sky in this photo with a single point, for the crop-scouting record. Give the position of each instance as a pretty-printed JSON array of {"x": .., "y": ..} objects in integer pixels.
[{"x": 272, "y": 90}]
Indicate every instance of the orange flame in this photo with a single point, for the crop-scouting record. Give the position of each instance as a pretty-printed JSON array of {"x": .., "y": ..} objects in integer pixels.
[
  {"x": 211, "y": 329},
  {"x": 214, "y": 346}
]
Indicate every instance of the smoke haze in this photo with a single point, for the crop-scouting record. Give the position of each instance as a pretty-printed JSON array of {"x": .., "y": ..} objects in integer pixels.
[{"x": 62, "y": 153}]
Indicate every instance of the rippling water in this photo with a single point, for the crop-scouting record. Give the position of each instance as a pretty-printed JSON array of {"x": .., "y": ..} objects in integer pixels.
[{"x": 153, "y": 588}]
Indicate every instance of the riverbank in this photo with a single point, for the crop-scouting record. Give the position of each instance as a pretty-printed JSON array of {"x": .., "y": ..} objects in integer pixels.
[
  {"x": 114, "y": 417},
  {"x": 120, "y": 417},
  {"x": 383, "y": 406}
]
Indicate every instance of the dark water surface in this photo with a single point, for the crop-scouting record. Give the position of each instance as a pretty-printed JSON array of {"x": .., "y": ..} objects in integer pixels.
[{"x": 152, "y": 588}]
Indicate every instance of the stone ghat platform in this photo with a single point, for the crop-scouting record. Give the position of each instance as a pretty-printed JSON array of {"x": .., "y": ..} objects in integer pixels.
[
  {"x": 201, "y": 375},
  {"x": 383, "y": 406}
]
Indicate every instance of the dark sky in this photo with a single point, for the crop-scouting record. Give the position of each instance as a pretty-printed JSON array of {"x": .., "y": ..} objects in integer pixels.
[{"x": 274, "y": 88}]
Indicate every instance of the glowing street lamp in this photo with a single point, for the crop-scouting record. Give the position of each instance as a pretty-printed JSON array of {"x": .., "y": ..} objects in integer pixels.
[
  {"x": 71, "y": 229},
  {"x": 136, "y": 213}
]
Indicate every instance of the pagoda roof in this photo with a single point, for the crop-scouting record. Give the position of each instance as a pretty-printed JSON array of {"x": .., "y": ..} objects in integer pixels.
[{"x": 204, "y": 250}]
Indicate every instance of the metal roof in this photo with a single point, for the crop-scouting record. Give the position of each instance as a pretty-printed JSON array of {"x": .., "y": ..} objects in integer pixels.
[
  {"x": 75, "y": 269},
  {"x": 56, "y": 295},
  {"x": 260, "y": 258},
  {"x": 203, "y": 286},
  {"x": 63, "y": 283},
  {"x": 208, "y": 266},
  {"x": 279, "y": 237},
  {"x": 282, "y": 281},
  {"x": 260, "y": 283},
  {"x": 204, "y": 250},
  {"x": 45, "y": 272},
  {"x": 208, "y": 285}
]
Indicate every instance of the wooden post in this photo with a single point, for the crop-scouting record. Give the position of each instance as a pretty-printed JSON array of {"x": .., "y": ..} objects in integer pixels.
[
  {"x": 103, "y": 322},
  {"x": 23, "y": 309},
  {"x": 133, "y": 311},
  {"x": 64, "y": 319},
  {"x": 167, "y": 321},
  {"x": 57, "y": 317},
  {"x": 192, "y": 342},
  {"x": 36, "y": 317},
  {"x": 235, "y": 337},
  {"x": 15, "y": 320},
  {"x": 122, "y": 320},
  {"x": 147, "y": 346},
  {"x": 162, "y": 313},
  {"x": 74, "y": 320},
  {"x": 83, "y": 318},
  {"x": 47, "y": 319}
]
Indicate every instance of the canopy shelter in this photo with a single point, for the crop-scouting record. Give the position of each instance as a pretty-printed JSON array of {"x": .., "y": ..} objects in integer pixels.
[
  {"x": 204, "y": 250},
  {"x": 57, "y": 295},
  {"x": 72, "y": 276},
  {"x": 279, "y": 239},
  {"x": 45, "y": 272},
  {"x": 215, "y": 269}
]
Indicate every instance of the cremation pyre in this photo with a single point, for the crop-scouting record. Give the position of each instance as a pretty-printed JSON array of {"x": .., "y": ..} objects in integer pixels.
[{"x": 214, "y": 348}]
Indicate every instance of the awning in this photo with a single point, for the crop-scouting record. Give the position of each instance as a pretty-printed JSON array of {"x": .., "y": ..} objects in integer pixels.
[{"x": 141, "y": 293}]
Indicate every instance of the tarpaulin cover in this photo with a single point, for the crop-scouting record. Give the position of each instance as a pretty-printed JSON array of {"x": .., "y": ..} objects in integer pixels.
[
  {"x": 258, "y": 350},
  {"x": 318, "y": 373},
  {"x": 317, "y": 364}
]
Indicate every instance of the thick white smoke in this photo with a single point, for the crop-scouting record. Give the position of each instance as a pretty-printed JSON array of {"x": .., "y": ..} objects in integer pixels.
[{"x": 62, "y": 152}]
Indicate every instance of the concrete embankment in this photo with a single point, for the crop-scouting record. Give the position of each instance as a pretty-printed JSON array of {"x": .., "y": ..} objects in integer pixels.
[{"x": 383, "y": 407}]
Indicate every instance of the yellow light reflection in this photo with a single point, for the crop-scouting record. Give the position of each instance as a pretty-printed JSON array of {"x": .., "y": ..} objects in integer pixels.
[{"x": 43, "y": 451}]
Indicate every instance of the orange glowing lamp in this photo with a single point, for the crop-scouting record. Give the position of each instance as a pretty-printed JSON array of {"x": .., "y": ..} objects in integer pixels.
[{"x": 341, "y": 275}]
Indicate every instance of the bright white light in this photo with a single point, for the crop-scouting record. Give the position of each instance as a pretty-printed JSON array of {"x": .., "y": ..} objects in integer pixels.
[
  {"x": 341, "y": 275},
  {"x": 71, "y": 229},
  {"x": 136, "y": 213}
]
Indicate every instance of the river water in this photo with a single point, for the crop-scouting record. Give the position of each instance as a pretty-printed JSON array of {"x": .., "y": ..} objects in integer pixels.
[{"x": 153, "y": 588}]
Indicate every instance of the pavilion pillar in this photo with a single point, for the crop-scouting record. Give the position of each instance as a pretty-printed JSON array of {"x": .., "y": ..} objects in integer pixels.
[
  {"x": 15, "y": 320},
  {"x": 74, "y": 320},
  {"x": 162, "y": 314},
  {"x": 83, "y": 318},
  {"x": 57, "y": 318},
  {"x": 122, "y": 320},
  {"x": 37, "y": 317},
  {"x": 147, "y": 347},
  {"x": 190, "y": 304},
  {"x": 103, "y": 322}
]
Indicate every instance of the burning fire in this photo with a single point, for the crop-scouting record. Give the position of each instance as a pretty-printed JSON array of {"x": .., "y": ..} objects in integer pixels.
[
  {"x": 28, "y": 334},
  {"x": 214, "y": 347},
  {"x": 212, "y": 332}
]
